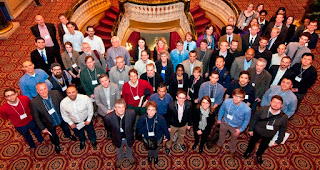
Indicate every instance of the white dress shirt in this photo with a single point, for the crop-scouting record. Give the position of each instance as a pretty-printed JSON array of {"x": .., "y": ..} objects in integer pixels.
[{"x": 96, "y": 43}]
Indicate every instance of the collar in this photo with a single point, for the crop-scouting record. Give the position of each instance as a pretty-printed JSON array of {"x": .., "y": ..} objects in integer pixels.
[{"x": 278, "y": 112}]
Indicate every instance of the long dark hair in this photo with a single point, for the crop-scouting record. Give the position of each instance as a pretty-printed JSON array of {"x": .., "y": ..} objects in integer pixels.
[{"x": 145, "y": 43}]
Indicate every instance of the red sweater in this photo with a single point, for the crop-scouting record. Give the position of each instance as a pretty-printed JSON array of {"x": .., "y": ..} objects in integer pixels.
[
  {"x": 6, "y": 112},
  {"x": 128, "y": 96}
]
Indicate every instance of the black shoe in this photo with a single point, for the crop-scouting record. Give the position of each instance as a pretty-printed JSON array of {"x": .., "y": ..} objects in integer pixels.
[
  {"x": 259, "y": 160},
  {"x": 94, "y": 145},
  {"x": 72, "y": 138},
  {"x": 246, "y": 155},
  {"x": 155, "y": 161},
  {"x": 167, "y": 151},
  {"x": 82, "y": 145},
  {"x": 108, "y": 136},
  {"x": 57, "y": 148},
  {"x": 194, "y": 146},
  {"x": 183, "y": 147},
  {"x": 149, "y": 159},
  {"x": 200, "y": 150}
]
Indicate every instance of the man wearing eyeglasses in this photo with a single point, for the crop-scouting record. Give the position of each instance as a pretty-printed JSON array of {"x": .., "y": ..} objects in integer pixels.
[{"x": 59, "y": 79}]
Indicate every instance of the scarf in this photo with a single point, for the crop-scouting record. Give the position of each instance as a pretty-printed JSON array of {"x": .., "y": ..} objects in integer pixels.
[{"x": 204, "y": 116}]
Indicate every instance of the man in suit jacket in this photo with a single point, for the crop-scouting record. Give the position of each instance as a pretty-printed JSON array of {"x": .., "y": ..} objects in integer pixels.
[
  {"x": 203, "y": 55},
  {"x": 42, "y": 57},
  {"x": 250, "y": 39},
  {"x": 274, "y": 40},
  {"x": 263, "y": 23},
  {"x": 228, "y": 58},
  {"x": 179, "y": 118},
  {"x": 121, "y": 121},
  {"x": 62, "y": 27},
  {"x": 243, "y": 63},
  {"x": 261, "y": 51},
  {"x": 191, "y": 63},
  {"x": 99, "y": 59},
  {"x": 278, "y": 72},
  {"x": 48, "y": 32},
  {"x": 231, "y": 36},
  {"x": 60, "y": 79},
  {"x": 283, "y": 29},
  {"x": 46, "y": 114}
]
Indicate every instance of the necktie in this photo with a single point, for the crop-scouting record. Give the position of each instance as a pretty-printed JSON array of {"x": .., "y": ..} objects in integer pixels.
[
  {"x": 187, "y": 46},
  {"x": 44, "y": 57},
  {"x": 211, "y": 93},
  {"x": 269, "y": 43},
  {"x": 229, "y": 40},
  {"x": 251, "y": 42},
  {"x": 294, "y": 54},
  {"x": 61, "y": 83}
]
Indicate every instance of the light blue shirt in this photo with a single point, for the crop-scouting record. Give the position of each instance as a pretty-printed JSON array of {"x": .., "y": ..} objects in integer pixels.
[
  {"x": 289, "y": 99},
  {"x": 240, "y": 114},
  {"x": 162, "y": 105},
  {"x": 177, "y": 57},
  {"x": 192, "y": 45},
  {"x": 247, "y": 64},
  {"x": 206, "y": 88},
  {"x": 76, "y": 39}
]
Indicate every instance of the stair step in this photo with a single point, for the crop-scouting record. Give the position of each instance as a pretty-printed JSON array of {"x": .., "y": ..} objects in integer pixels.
[
  {"x": 198, "y": 15},
  {"x": 105, "y": 21},
  {"x": 102, "y": 30},
  {"x": 114, "y": 9},
  {"x": 195, "y": 9},
  {"x": 111, "y": 15},
  {"x": 107, "y": 44}
]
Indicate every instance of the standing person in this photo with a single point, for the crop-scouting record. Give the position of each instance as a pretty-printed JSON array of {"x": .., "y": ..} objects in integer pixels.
[
  {"x": 231, "y": 21},
  {"x": 152, "y": 77},
  {"x": 139, "y": 48},
  {"x": 224, "y": 74},
  {"x": 191, "y": 63},
  {"x": 246, "y": 16},
  {"x": 203, "y": 120},
  {"x": 223, "y": 52},
  {"x": 164, "y": 66},
  {"x": 263, "y": 23},
  {"x": 295, "y": 50},
  {"x": 291, "y": 28},
  {"x": 234, "y": 116},
  {"x": 243, "y": 63},
  {"x": 231, "y": 36},
  {"x": 62, "y": 28},
  {"x": 121, "y": 121},
  {"x": 98, "y": 57},
  {"x": 188, "y": 43},
  {"x": 37, "y": 2},
  {"x": 264, "y": 125},
  {"x": 261, "y": 51},
  {"x": 178, "y": 55},
  {"x": 74, "y": 36},
  {"x": 45, "y": 109},
  {"x": 119, "y": 73},
  {"x": 179, "y": 119},
  {"x": 117, "y": 50},
  {"x": 250, "y": 39},
  {"x": 277, "y": 57},
  {"x": 162, "y": 98},
  {"x": 95, "y": 42},
  {"x": 210, "y": 35},
  {"x": 153, "y": 127},
  {"x": 178, "y": 80},
  {"x": 77, "y": 111},
  {"x": 17, "y": 109},
  {"x": 161, "y": 45},
  {"x": 203, "y": 55},
  {"x": 277, "y": 23},
  {"x": 311, "y": 27},
  {"x": 194, "y": 84},
  {"x": 141, "y": 64},
  {"x": 282, "y": 71},
  {"x": 59, "y": 79}
]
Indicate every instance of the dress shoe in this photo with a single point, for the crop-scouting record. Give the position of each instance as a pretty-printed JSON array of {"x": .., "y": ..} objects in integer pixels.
[
  {"x": 259, "y": 160},
  {"x": 82, "y": 145},
  {"x": 132, "y": 161},
  {"x": 200, "y": 150},
  {"x": 118, "y": 163},
  {"x": 246, "y": 155},
  {"x": 72, "y": 138},
  {"x": 155, "y": 161},
  {"x": 194, "y": 146},
  {"x": 149, "y": 159},
  {"x": 183, "y": 147},
  {"x": 167, "y": 151},
  {"x": 57, "y": 148},
  {"x": 94, "y": 145}
]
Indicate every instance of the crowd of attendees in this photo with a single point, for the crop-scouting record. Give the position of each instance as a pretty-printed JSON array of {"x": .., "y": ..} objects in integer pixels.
[{"x": 257, "y": 72}]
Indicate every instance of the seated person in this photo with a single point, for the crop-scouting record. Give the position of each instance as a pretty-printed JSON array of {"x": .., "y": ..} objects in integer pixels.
[
  {"x": 178, "y": 80},
  {"x": 152, "y": 77}
]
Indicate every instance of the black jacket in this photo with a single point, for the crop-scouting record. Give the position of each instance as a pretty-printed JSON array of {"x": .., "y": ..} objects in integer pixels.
[
  {"x": 172, "y": 114},
  {"x": 169, "y": 69},
  {"x": 173, "y": 84},
  {"x": 135, "y": 55},
  {"x": 229, "y": 60},
  {"x": 274, "y": 70},
  {"x": 56, "y": 85},
  {"x": 197, "y": 118},
  {"x": 245, "y": 42},
  {"x": 39, "y": 62}
]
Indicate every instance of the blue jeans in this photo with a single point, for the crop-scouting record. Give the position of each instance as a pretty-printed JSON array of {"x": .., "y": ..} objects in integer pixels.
[
  {"x": 24, "y": 131},
  {"x": 90, "y": 131}
]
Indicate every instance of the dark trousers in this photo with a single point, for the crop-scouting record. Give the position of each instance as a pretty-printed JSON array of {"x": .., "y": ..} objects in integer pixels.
[
  {"x": 254, "y": 106},
  {"x": 37, "y": 2},
  {"x": 54, "y": 138},
  {"x": 204, "y": 138},
  {"x": 24, "y": 131},
  {"x": 263, "y": 145},
  {"x": 90, "y": 131}
]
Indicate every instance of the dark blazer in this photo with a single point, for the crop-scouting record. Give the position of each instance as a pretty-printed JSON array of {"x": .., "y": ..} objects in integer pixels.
[
  {"x": 275, "y": 46},
  {"x": 52, "y": 31},
  {"x": 169, "y": 69},
  {"x": 245, "y": 42},
  {"x": 274, "y": 70},
  {"x": 228, "y": 60},
  {"x": 56, "y": 85},
  {"x": 135, "y": 55},
  {"x": 205, "y": 60},
  {"x": 39, "y": 62},
  {"x": 112, "y": 121},
  {"x": 173, "y": 84},
  {"x": 283, "y": 32},
  {"x": 61, "y": 33},
  {"x": 172, "y": 114},
  {"x": 196, "y": 87},
  {"x": 262, "y": 83},
  {"x": 264, "y": 27},
  {"x": 290, "y": 33},
  {"x": 196, "y": 119},
  {"x": 40, "y": 114}
]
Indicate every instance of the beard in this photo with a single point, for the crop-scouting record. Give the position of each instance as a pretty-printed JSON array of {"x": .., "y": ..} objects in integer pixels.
[{"x": 58, "y": 76}]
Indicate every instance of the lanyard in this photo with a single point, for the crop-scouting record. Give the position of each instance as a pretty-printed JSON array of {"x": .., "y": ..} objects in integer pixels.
[
  {"x": 194, "y": 82},
  {"x": 46, "y": 106},
  {"x": 212, "y": 89},
  {"x": 120, "y": 78},
  {"x": 268, "y": 121},
  {"x": 235, "y": 111},
  {"x": 16, "y": 110},
  {"x": 137, "y": 90},
  {"x": 94, "y": 74},
  {"x": 204, "y": 55},
  {"x": 154, "y": 124},
  {"x": 154, "y": 81},
  {"x": 301, "y": 72},
  {"x": 64, "y": 82}
]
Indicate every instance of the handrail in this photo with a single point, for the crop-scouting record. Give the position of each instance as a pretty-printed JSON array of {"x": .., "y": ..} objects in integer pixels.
[
  {"x": 74, "y": 7},
  {"x": 153, "y": 2}
]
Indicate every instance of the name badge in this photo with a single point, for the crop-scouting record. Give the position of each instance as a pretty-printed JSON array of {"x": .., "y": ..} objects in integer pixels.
[
  {"x": 191, "y": 90},
  {"x": 74, "y": 65},
  {"x": 244, "y": 24},
  {"x": 150, "y": 133},
  {"x": 154, "y": 89},
  {"x": 229, "y": 117},
  {"x": 269, "y": 127},
  {"x": 51, "y": 111},
  {"x": 212, "y": 100},
  {"x": 253, "y": 84},
  {"x": 64, "y": 88},
  {"x": 94, "y": 82},
  {"x": 121, "y": 82},
  {"x": 23, "y": 116},
  {"x": 47, "y": 36},
  {"x": 136, "y": 97},
  {"x": 180, "y": 85},
  {"x": 121, "y": 130},
  {"x": 298, "y": 79},
  {"x": 163, "y": 71},
  {"x": 246, "y": 96}
]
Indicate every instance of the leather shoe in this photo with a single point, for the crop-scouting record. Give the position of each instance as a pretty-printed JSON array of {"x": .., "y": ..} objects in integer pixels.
[
  {"x": 200, "y": 150},
  {"x": 155, "y": 161},
  {"x": 167, "y": 151},
  {"x": 183, "y": 147},
  {"x": 246, "y": 155},
  {"x": 72, "y": 138},
  {"x": 82, "y": 145},
  {"x": 57, "y": 148},
  {"x": 259, "y": 160},
  {"x": 194, "y": 146},
  {"x": 149, "y": 159},
  {"x": 94, "y": 145}
]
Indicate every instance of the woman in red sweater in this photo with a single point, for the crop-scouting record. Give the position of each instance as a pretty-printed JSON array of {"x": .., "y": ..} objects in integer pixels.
[
  {"x": 17, "y": 109},
  {"x": 135, "y": 91}
]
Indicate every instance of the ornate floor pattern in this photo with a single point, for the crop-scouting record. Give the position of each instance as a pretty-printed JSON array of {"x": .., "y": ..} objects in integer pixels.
[{"x": 300, "y": 152}]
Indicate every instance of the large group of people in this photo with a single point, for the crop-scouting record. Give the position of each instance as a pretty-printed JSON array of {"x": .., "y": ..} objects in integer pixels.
[{"x": 254, "y": 75}]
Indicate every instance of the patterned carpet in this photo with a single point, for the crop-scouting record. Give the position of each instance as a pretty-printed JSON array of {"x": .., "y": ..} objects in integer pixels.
[{"x": 300, "y": 152}]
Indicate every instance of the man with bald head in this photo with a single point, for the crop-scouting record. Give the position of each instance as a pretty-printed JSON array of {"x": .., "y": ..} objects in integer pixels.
[
  {"x": 243, "y": 63},
  {"x": 48, "y": 32},
  {"x": 32, "y": 77},
  {"x": 77, "y": 111}
]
